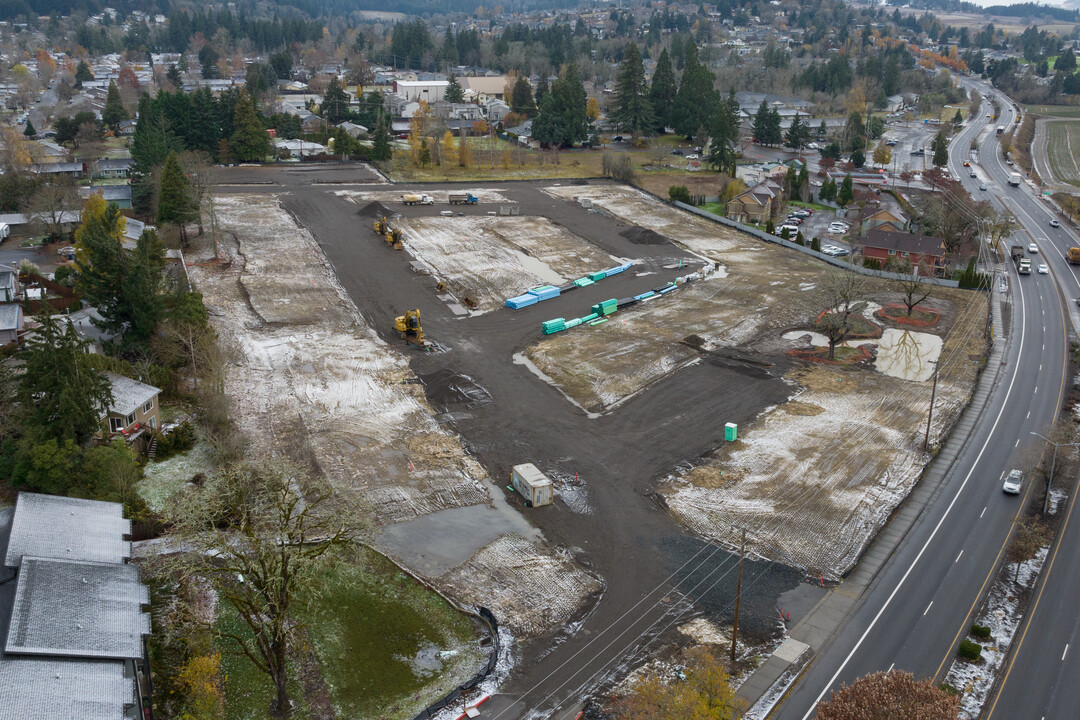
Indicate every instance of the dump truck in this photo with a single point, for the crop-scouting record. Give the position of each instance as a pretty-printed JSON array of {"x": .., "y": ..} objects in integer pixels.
[
  {"x": 1016, "y": 252},
  {"x": 1024, "y": 266},
  {"x": 1000, "y": 129},
  {"x": 460, "y": 198},
  {"x": 532, "y": 485},
  {"x": 1014, "y": 179},
  {"x": 417, "y": 199},
  {"x": 409, "y": 328},
  {"x": 1073, "y": 255}
]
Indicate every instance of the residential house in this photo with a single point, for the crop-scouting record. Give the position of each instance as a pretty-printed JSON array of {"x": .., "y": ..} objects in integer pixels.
[
  {"x": 84, "y": 321},
  {"x": 11, "y": 323},
  {"x": 496, "y": 110},
  {"x": 76, "y": 170},
  {"x": 9, "y": 283},
  {"x": 429, "y": 91},
  {"x": 456, "y": 111},
  {"x": 757, "y": 204},
  {"x": 353, "y": 129},
  {"x": 919, "y": 250},
  {"x": 885, "y": 220},
  {"x": 111, "y": 169},
  {"x": 71, "y": 612},
  {"x": 755, "y": 173},
  {"x": 119, "y": 195},
  {"x": 298, "y": 148},
  {"x": 134, "y": 408},
  {"x": 126, "y": 127},
  {"x": 482, "y": 89}
]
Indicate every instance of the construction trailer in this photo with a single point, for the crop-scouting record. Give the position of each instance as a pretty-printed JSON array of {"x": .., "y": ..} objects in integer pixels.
[{"x": 532, "y": 485}]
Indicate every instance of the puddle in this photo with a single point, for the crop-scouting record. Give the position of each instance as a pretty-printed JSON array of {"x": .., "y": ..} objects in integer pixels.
[
  {"x": 905, "y": 354},
  {"x": 447, "y": 389},
  {"x": 541, "y": 270},
  {"x": 426, "y": 663}
]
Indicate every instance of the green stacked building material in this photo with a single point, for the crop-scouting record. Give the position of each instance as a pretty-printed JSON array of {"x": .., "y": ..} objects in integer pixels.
[
  {"x": 554, "y": 326},
  {"x": 601, "y": 321},
  {"x": 606, "y": 307},
  {"x": 582, "y": 282},
  {"x": 731, "y": 432},
  {"x": 590, "y": 317},
  {"x": 573, "y": 323},
  {"x": 598, "y": 275}
]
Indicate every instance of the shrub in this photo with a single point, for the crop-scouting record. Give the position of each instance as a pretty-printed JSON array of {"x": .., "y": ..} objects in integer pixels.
[
  {"x": 181, "y": 438},
  {"x": 815, "y": 244},
  {"x": 785, "y": 234},
  {"x": 948, "y": 689},
  {"x": 981, "y": 632},
  {"x": 679, "y": 193},
  {"x": 63, "y": 275},
  {"x": 769, "y": 226},
  {"x": 970, "y": 651},
  {"x": 872, "y": 263}
]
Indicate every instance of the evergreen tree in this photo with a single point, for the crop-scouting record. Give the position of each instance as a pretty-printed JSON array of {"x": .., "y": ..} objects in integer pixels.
[
  {"x": 567, "y": 115},
  {"x": 174, "y": 197},
  {"x": 663, "y": 91},
  {"x": 380, "y": 149},
  {"x": 798, "y": 134},
  {"x": 632, "y": 110},
  {"x": 547, "y": 127},
  {"x": 124, "y": 286},
  {"x": 774, "y": 132},
  {"x": 1066, "y": 61},
  {"x": 454, "y": 92},
  {"x": 760, "y": 127},
  {"x": 542, "y": 89},
  {"x": 249, "y": 141},
  {"x": 173, "y": 76},
  {"x": 29, "y": 131},
  {"x": 114, "y": 111},
  {"x": 83, "y": 73},
  {"x": 697, "y": 99},
  {"x": 858, "y": 158},
  {"x": 335, "y": 103},
  {"x": 846, "y": 193},
  {"x": 940, "y": 146},
  {"x": 521, "y": 99},
  {"x": 723, "y": 152},
  {"x": 63, "y": 396}
]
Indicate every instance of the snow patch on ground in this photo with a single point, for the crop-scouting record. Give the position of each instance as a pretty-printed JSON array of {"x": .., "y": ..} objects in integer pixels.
[
  {"x": 1002, "y": 613},
  {"x": 162, "y": 480}
]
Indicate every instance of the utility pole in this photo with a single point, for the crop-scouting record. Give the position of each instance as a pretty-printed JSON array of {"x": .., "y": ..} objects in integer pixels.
[
  {"x": 930, "y": 415},
  {"x": 738, "y": 596}
]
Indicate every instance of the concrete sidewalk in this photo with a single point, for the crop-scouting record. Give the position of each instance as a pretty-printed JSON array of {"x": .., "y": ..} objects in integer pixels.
[{"x": 810, "y": 634}]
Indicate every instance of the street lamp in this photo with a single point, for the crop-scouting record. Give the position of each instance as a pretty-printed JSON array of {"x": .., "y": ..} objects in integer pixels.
[{"x": 1053, "y": 463}]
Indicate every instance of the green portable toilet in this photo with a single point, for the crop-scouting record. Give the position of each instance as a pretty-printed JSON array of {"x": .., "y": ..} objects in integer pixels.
[{"x": 731, "y": 432}]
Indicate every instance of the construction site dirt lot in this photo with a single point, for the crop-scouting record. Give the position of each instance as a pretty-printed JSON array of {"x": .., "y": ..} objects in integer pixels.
[{"x": 626, "y": 417}]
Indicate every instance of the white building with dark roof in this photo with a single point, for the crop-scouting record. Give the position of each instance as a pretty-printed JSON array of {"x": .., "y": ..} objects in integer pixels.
[{"x": 72, "y": 624}]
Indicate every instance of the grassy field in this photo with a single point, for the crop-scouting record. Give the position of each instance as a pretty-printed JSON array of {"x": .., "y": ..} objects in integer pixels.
[
  {"x": 1062, "y": 111},
  {"x": 385, "y": 646},
  {"x": 1063, "y": 147}
]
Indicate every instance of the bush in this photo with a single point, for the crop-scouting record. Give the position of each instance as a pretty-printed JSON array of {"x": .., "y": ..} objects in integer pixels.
[
  {"x": 619, "y": 167},
  {"x": 181, "y": 438},
  {"x": 871, "y": 263},
  {"x": 981, "y": 632},
  {"x": 63, "y": 275},
  {"x": 948, "y": 689},
  {"x": 815, "y": 244},
  {"x": 969, "y": 650},
  {"x": 680, "y": 193},
  {"x": 769, "y": 226}
]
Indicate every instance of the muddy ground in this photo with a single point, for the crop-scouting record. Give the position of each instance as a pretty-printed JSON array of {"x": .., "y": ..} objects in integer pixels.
[{"x": 634, "y": 420}]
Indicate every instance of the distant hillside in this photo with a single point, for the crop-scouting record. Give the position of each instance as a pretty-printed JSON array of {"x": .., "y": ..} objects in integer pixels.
[{"x": 1027, "y": 9}]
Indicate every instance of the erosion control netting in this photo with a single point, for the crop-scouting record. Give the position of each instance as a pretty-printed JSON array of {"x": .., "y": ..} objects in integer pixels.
[
  {"x": 455, "y": 695},
  {"x": 446, "y": 389},
  {"x": 644, "y": 236},
  {"x": 375, "y": 209}
]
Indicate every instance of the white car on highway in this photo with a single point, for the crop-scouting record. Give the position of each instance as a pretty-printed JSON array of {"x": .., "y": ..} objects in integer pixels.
[
  {"x": 1054, "y": 223},
  {"x": 1014, "y": 483},
  {"x": 1043, "y": 270},
  {"x": 1033, "y": 248}
]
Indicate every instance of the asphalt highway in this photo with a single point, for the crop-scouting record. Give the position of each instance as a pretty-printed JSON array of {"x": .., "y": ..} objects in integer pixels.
[{"x": 923, "y": 600}]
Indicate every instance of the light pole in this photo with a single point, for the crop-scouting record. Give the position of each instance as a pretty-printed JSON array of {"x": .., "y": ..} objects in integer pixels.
[{"x": 1053, "y": 463}]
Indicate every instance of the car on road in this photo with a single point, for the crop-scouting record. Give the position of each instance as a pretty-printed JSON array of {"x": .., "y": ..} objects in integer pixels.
[
  {"x": 982, "y": 187},
  {"x": 693, "y": 156},
  {"x": 617, "y": 138},
  {"x": 676, "y": 152},
  {"x": 1043, "y": 270},
  {"x": 1014, "y": 483},
  {"x": 967, "y": 164},
  {"x": 1054, "y": 223},
  {"x": 1009, "y": 163},
  {"x": 1033, "y": 248},
  {"x": 920, "y": 151},
  {"x": 891, "y": 143}
]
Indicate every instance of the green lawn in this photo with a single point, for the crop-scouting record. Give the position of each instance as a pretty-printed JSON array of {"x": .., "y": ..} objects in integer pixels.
[
  {"x": 1064, "y": 111},
  {"x": 811, "y": 205},
  {"x": 715, "y": 208}
]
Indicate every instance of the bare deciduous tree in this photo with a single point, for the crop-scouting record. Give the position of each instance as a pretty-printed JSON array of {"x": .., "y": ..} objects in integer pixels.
[
  {"x": 52, "y": 207},
  {"x": 259, "y": 534},
  {"x": 840, "y": 293},
  {"x": 1032, "y": 534},
  {"x": 910, "y": 287},
  {"x": 895, "y": 694}
]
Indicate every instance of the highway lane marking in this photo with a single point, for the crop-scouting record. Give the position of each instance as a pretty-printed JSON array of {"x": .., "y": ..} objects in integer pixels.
[
  {"x": 1029, "y": 412},
  {"x": 1040, "y": 367},
  {"x": 958, "y": 557},
  {"x": 1035, "y": 390},
  {"x": 1017, "y": 443},
  {"x": 933, "y": 534},
  {"x": 891, "y": 666},
  {"x": 929, "y": 606},
  {"x": 984, "y": 508},
  {"x": 1065, "y": 653}
]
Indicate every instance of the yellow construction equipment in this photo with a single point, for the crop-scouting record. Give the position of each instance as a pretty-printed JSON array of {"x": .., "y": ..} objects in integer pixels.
[
  {"x": 381, "y": 225},
  {"x": 408, "y": 327},
  {"x": 393, "y": 238}
]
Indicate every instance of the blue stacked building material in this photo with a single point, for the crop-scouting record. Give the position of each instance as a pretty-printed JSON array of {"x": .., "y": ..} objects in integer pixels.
[
  {"x": 545, "y": 292},
  {"x": 668, "y": 289},
  {"x": 663, "y": 287},
  {"x": 516, "y": 303},
  {"x": 644, "y": 295},
  {"x": 617, "y": 269}
]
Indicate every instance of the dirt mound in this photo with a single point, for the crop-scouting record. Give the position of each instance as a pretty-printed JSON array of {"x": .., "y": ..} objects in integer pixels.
[
  {"x": 446, "y": 388},
  {"x": 375, "y": 209},
  {"x": 579, "y": 181},
  {"x": 644, "y": 236}
]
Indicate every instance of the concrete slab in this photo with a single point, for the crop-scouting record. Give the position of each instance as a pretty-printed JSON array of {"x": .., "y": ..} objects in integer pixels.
[{"x": 790, "y": 650}]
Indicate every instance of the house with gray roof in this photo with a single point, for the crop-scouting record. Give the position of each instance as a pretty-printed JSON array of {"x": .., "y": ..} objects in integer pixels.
[
  {"x": 73, "y": 622},
  {"x": 134, "y": 409},
  {"x": 11, "y": 323},
  {"x": 9, "y": 283}
]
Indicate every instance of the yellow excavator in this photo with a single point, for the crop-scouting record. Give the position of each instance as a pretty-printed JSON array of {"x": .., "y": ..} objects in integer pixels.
[
  {"x": 408, "y": 327},
  {"x": 381, "y": 225},
  {"x": 393, "y": 238}
]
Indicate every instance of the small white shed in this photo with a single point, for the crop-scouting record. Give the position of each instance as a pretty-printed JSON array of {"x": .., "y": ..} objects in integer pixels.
[{"x": 532, "y": 484}]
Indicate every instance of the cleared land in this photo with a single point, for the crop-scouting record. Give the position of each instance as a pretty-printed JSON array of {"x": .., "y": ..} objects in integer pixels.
[
  {"x": 441, "y": 197},
  {"x": 1063, "y": 149},
  {"x": 818, "y": 475},
  {"x": 311, "y": 379},
  {"x": 1062, "y": 111}
]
